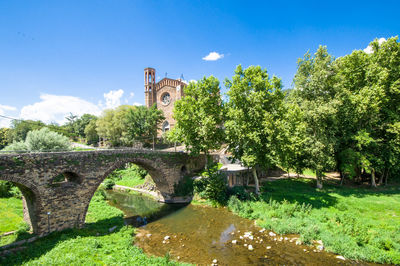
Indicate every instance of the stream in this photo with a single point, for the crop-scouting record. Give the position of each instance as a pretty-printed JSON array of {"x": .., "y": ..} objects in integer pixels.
[{"x": 201, "y": 234}]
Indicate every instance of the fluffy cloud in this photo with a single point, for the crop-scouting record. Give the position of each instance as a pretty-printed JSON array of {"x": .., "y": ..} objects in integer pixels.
[
  {"x": 54, "y": 108},
  {"x": 213, "y": 56},
  {"x": 369, "y": 50},
  {"x": 4, "y": 122},
  {"x": 113, "y": 98}
]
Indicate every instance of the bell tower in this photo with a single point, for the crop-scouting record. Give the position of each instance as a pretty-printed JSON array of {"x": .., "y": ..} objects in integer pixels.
[{"x": 149, "y": 86}]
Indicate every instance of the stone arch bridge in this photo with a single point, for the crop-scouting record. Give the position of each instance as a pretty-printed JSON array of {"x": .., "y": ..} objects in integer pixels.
[{"x": 58, "y": 186}]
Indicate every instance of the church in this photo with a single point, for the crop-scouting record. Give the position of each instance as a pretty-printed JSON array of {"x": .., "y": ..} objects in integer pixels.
[{"x": 163, "y": 94}]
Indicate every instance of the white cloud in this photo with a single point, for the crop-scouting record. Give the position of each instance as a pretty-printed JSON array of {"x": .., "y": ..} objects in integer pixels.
[
  {"x": 137, "y": 104},
  {"x": 4, "y": 122},
  {"x": 54, "y": 108},
  {"x": 6, "y": 108},
  {"x": 213, "y": 56},
  {"x": 369, "y": 50},
  {"x": 113, "y": 98}
]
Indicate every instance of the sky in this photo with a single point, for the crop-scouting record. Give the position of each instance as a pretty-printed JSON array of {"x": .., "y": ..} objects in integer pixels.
[{"x": 58, "y": 57}]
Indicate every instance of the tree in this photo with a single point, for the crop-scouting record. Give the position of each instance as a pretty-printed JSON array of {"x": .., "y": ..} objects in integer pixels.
[
  {"x": 112, "y": 127},
  {"x": 142, "y": 123},
  {"x": 199, "y": 117},
  {"x": 315, "y": 94},
  {"x": 91, "y": 133},
  {"x": 254, "y": 108},
  {"x": 5, "y": 136},
  {"x": 41, "y": 140},
  {"x": 20, "y": 128}
]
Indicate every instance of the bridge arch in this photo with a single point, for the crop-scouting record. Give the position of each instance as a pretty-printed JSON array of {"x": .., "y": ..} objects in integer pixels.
[
  {"x": 155, "y": 171},
  {"x": 31, "y": 199}
]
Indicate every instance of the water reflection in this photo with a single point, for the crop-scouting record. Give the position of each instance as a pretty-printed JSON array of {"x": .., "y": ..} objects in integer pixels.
[{"x": 198, "y": 234}]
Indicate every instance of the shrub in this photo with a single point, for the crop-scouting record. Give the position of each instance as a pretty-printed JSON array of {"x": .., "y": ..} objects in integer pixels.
[
  {"x": 109, "y": 183},
  {"x": 41, "y": 140},
  {"x": 19, "y": 146},
  {"x": 5, "y": 188},
  {"x": 46, "y": 140},
  {"x": 212, "y": 186},
  {"x": 184, "y": 187}
]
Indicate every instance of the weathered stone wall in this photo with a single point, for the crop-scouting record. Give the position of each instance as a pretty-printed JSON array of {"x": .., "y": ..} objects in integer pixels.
[{"x": 53, "y": 206}]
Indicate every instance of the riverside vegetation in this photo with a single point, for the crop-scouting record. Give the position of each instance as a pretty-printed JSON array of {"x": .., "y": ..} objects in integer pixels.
[
  {"x": 92, "y": 245},
  {"x": 358, "y": 223}
]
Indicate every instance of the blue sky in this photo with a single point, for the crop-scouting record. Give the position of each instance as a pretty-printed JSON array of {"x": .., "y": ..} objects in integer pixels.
[{"x": 83, "y": 56}]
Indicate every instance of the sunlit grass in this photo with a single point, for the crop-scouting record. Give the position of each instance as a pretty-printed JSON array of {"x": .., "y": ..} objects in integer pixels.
[
  {"x": 358, "y": 223},
  {"x": 93, "y": 245}
]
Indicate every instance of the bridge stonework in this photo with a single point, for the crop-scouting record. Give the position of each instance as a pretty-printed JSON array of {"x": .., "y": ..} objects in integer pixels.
[{"x": 54, "y": 205}]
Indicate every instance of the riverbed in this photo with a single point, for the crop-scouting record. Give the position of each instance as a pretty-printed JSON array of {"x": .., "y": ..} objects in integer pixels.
[{"x": 201, "y": 234}]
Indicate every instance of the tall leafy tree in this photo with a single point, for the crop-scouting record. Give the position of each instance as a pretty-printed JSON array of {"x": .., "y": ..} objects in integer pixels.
[
  {"x": 315, "y": 93},
  {"x": 254, "y": 109},
  {"x": 142, "y": 123},
  {"x": 111, "y": 125},
  {"x": 199, "y": 116}
]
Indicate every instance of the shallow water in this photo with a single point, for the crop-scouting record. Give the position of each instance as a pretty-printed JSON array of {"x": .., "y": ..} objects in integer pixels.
[{"x": 200, "y": 234}]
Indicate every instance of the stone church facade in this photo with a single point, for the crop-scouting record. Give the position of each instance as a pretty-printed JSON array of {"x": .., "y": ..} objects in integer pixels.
[{"x": 163, "y": 94}]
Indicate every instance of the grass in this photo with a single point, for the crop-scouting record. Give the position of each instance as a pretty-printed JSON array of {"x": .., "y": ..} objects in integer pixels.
[
  {"x": 129, "y": 177},
  {"x": 358, "y": 223},
  {"x": 93, "y": 245},
  {"x": 11, "y": 214}
]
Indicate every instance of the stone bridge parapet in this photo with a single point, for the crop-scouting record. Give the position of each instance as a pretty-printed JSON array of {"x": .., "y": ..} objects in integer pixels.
[{"x": 58, "y": 186}]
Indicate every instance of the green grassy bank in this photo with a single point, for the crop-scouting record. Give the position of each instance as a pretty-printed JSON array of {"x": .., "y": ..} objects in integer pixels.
[
  {"x": 93, "y": 245},
  {"x": 358, "y": 223}
]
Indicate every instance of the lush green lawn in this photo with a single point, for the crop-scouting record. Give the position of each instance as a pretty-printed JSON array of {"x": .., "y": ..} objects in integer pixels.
[
  {"x": 358, "y": 223},
  {"x": 93, "y": 245},
  {"x": 129, "y": 177},
  {"x": 11, "y": 214}
]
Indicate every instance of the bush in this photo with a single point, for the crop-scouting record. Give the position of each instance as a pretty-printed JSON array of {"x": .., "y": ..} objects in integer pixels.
[
  {"x": 46, "y": 140},
  {"x": 5, "y": 188},
  {"x": 212, "y": 186},
  {"x": 41, "y": 140},
  {"x": 19, "y": 146},
  {"x": 109, "y": 183}
]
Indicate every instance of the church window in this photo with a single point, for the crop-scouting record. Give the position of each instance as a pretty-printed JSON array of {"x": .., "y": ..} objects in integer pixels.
[{"x": 166, "y": 98}]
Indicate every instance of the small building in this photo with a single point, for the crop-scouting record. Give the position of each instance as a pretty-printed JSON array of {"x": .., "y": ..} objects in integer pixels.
[
  {"x": 236, "y": 175},
  {"x": 163, "y": 94}
]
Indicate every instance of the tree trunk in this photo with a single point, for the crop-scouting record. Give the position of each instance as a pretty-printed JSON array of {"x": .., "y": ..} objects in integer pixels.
[
  {"x": 256, "y": 181},
  {"x": 341, "y": 178},
  {"x": 373, "y": 184},
  {"x": 153, "y": 143},
  {"x": 319, "y": 180},
  {"x": 381, "y": 177},
  {"x": 288, "y": 173},
  {"x": 386, "y": 177},
  {"x": 206, "y": 161}
]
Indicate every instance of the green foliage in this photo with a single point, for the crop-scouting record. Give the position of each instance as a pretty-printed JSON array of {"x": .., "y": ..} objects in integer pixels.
[
  {"x": 5, "y": 189},
  {"x": 356, "y": 223},
  {"x": 41, "y": 140},
  {"x": 18, "y": 146},
  {"x": 109, "y": 183},
  {"x": 254, "y": 112},
  {"x": 92, "y": 245},
  {"x": 127, "y": 125},
  {"x": 142, "y": 124},
  {"x": 199, "y": 116},
  {"x": 5, "y": 137},
  {"x": 91, "y": 133},
  {"x": 211, "y": 185},
  {"x": 130, "y": 176},
  {"x": 111, "y": 125},
  {"x": 184, "y": 187},
  {"x": 20, "y": 129}
]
